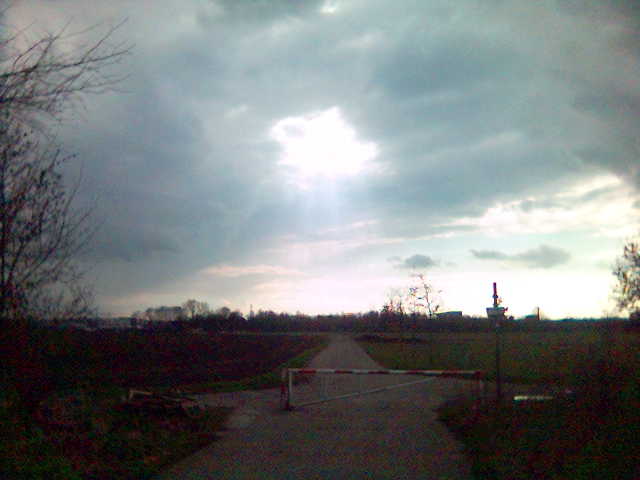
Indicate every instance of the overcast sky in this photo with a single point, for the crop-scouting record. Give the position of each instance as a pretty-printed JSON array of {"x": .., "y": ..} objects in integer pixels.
[{"x": 313, "y": 155}]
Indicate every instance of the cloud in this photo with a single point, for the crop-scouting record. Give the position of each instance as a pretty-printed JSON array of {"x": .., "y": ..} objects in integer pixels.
[
  {"x": 114, "y": 244},
  {"x": 241, "y": 271},
  {"x": 489, "y": 255},
  {"x": 542, "y": 257},
  {"x": 417, "y": 261},
  {"x": 600, "y": 205},
  {"x": 479, "y": 118}
]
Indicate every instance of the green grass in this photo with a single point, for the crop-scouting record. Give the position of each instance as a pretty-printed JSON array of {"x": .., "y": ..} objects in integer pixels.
[
  {"x": 592, "y": 435},
  {"x": 560, "y": 439},
  {"x": 108, "y": 442},
  {"x": 527, "y": 357},
  {"x": 264, "y": 380},
  {"x": 140, "y": 447}
]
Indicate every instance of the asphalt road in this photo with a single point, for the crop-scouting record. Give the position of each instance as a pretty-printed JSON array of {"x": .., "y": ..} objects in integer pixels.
[{"x": 392, "y": 434}]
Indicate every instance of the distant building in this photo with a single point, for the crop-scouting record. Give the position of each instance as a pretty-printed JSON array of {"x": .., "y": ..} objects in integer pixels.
[{"x": 449, "y": 315}]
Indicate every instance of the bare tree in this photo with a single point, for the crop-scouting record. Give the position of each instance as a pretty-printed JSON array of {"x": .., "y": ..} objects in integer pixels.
[
  {"x": 202, "y": 308},
  {"x": 40, "y": 230},
  {"x": 423, "y": 296},
  {"x": 45, "y": 80},
  {"x": 627, "y": 273},
  {"x": 190, "y": 307},
  {"x": 193, "y": 308}
]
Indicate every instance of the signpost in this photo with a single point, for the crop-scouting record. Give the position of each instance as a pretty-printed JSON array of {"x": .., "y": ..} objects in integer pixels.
[{"x": 496, "y": 313}]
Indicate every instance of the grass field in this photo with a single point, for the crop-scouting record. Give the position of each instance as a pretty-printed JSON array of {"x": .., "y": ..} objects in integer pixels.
[
  {"x": 592, "y": 434},
  {"x": 91, "y": 371},
  {"x": 527, "y": 357}
]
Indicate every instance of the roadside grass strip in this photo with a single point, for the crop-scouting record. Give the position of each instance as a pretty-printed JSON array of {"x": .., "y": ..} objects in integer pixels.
[
  {"x": 558, "y": 439},
  {"x": 591, "y": 432},
  {"x": 265, "y": 380}
]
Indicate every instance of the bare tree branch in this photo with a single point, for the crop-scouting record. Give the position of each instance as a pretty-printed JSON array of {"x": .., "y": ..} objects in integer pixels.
[
  {"x": 627, "y": 273},
  {"x": 41, "y": 231},
  {"x": 41, "y": 82}
]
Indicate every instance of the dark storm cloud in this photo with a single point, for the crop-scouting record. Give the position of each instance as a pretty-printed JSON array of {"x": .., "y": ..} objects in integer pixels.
[
  {"x": 452, "y": 63},
  {"x": 468, "y": 105},
  {"x": 500, "y": 105},
  {"x": 131, "y": 246},
  {"x": 542, "y": 257},
  {"x": 421, "y": 93},
  {"x": 143, "y": 166},
  {"x": 266, "y": 11}
]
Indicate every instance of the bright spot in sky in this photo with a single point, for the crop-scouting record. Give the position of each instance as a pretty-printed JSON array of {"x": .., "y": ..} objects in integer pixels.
[
  {"x": 321, "y": 145},
  {"x": 329, "y": 7}
]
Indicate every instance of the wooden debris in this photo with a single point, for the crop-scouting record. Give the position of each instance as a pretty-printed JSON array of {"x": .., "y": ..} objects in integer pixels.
[{"x": 168, "y": 403}]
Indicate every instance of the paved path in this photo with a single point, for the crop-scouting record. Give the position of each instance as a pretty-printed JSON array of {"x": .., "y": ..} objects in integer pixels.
[{"x": 387, "y": 435}]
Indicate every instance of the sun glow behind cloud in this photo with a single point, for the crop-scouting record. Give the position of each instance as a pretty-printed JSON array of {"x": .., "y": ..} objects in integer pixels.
[
  {"x": 321, "y": 145},
  {"x": 329, "y": 7}
]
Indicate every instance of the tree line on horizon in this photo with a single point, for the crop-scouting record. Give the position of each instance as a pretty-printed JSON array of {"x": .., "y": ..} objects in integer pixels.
[{"x": 227, "y": 320}]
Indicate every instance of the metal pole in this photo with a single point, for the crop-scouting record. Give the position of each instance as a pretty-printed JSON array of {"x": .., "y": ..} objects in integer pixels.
[
  {"x": 323, "y": 385},
  {"x": 290, "y": 389},
  {"x": 497, "y": 328}
]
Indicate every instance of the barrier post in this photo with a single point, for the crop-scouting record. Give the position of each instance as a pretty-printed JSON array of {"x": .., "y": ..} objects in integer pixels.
[
  {"x": 284, "y": 396},
  {"x": 289, "y": 389},
  {"x": 496, "y": 314}
]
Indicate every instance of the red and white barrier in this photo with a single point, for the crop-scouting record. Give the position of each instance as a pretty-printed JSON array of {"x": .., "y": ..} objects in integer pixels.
[
  {"x": 286, "y": 391},
  {"x": 357, "y": 371}
]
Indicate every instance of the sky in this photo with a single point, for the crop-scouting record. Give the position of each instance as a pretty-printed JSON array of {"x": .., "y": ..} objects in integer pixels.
[{"x": 315, "y": 156}]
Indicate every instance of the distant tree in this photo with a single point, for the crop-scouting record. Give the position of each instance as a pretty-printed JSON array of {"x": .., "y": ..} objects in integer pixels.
[
  {"x": 424, "y": 297},
  {"x": 164, "y": 314},
  {"x": 393, "y": 315},
  {"x": 190, "y": 307},
  {"x": 627, "y": 273},
  {"x": 193, "y": 308},
  {"x": 236, "y": 320},
  {"x": 202, "y": 308}
]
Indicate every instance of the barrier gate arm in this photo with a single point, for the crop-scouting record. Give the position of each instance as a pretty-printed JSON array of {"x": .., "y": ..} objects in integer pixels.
[{"x": 286, "y": 390}]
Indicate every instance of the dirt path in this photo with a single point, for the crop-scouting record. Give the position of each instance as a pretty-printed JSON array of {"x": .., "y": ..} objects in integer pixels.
[{"x": 392, "y": 434}]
